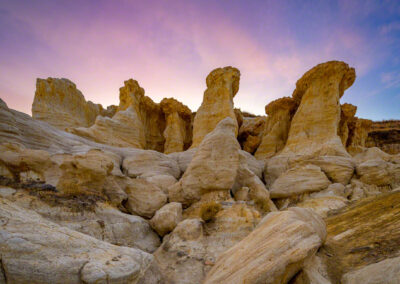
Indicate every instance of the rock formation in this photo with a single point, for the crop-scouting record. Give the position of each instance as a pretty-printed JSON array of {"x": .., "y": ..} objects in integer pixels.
[
  {"x": 123, "y": 196},
  {"x": 290, "y": 236},
  {"x": 61, "y": 104},
  {"x": 276, "y": 131},
  {"x": 222, "y": 86},
  {"x": 358, "y": 133},
  {"x": 385, "y": 135},
  {"x": 178, "y": 130},
  {"x": 250, "y": 132},
  {"x": 347, "y": 113}
]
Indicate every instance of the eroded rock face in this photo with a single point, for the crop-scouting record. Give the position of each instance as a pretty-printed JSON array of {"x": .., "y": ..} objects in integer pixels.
[
  {"x": 40, "y": 256},
  {"x": 281, "y": 243},
  {"x": 276, "y": 131},
  {"x": 358, "y": 133},
  {"x": 313, "y": 135},
  {"x": 360, "y": 235},
  {"x": 384, "y": 272},
  {"x": 299, "y": 180},
  {"x": 250, "y": 133},
  {"x": 347, "y": 113},
  {"x": 61, "y": 104},
  {"x": 213, "y": 167},
  {"x": 178, "y": 130},
  {"x": 314, "y": 127},
  {"x": 124, "y": 129},
  {"x": 222, "y": 86}
]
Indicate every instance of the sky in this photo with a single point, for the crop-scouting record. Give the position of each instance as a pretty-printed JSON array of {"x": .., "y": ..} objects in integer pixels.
[{"x": 171, "y": 46}]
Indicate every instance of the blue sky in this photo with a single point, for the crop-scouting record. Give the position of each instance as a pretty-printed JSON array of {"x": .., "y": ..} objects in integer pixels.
[{"x": 171, "y": 46}]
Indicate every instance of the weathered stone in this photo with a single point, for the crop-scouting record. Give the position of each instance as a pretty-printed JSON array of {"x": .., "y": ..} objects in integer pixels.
[
  {"x": 190, "y": 251},
  {"x": 166, "y": 218},
  {"x": 213, "y": 168},
  {"x": 314, "y": 127},
  {"x": 358, "y": 132},
  {"x": 222, "y": 86},
  {"x": 384, "y": 272},
  {"x": 361, "y": 234},
  {"x": 124, "y": 129},
  {"x": 299, "y": 180},
  {"x": 34, "y": 250},
  {"x": 59, "y": 103},
  {"x": 322, "y": 205},
  {"x": 178, "y": 130},
  {"x": 101, "y": 221},
  {"x": 144, "y": 198},
  {"x": 276, "y": 131},
  {"x": 347, "y": 113},
  {"x": 250, "y": 133},
  {"x": 281, "y": 243}
]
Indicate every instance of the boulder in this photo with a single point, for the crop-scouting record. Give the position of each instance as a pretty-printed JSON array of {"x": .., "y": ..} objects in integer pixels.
[
  {"x": 384, "y": 272},
  {"x": 191, "y": 249},
  {"x": 166, "y": 218},
  {"x": 213, "y": 167},
  {"x": 144, "y": 198},
  {"x": 299, "y": 180},
  {"x": 222, "y": 86},
  {"x": 274, "y": 252}
]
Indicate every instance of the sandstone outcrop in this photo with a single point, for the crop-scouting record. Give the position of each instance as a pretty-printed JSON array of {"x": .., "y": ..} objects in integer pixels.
[
  {"x": 250, "y": 133},
  {"x": 299, "y": 180},
  {"x": 280, "y": 113},
  {"x": 317, "y": 92},
  {"x": 178, "y": 130},
  {"x": 385, "y": 135},
  {"x": 360, "y": 235},
  {"x": 93, "y": 207},
  {"x": 313, "y": 133},
  {"x": 274, "y": 252},
  {"x": 191, "y": 249},
  {"x": 222, "y": 86},
  {"x": 213, "y": 167},
  {"x": 347, "y": 113},
  {"x": 100, "y": 220},
  {"x": 61, "y": 104},
  {"x": 33, "y": 250},
  {"x": 358, "y": 133}
]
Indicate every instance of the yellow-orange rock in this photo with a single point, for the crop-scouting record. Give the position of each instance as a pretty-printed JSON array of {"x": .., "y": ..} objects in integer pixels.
[
  {"x": 178, "y": 130},
  {"x": 348, "y": 111},
  {"x": 276, "y": 131},
  {"x": 61, "y": 104},
  {"x": 358, "y": 132},
  {"x": 315, "y": 125},
  {"x": 125, "y": 129},
  {"x": 250, "y": 132},
  {"x": 222, "y": 86},
  {"x": 138, "y": 122}
]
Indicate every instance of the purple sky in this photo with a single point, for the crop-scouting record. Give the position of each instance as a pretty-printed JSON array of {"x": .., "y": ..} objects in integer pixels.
[{"x": 171, "y": 46}]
